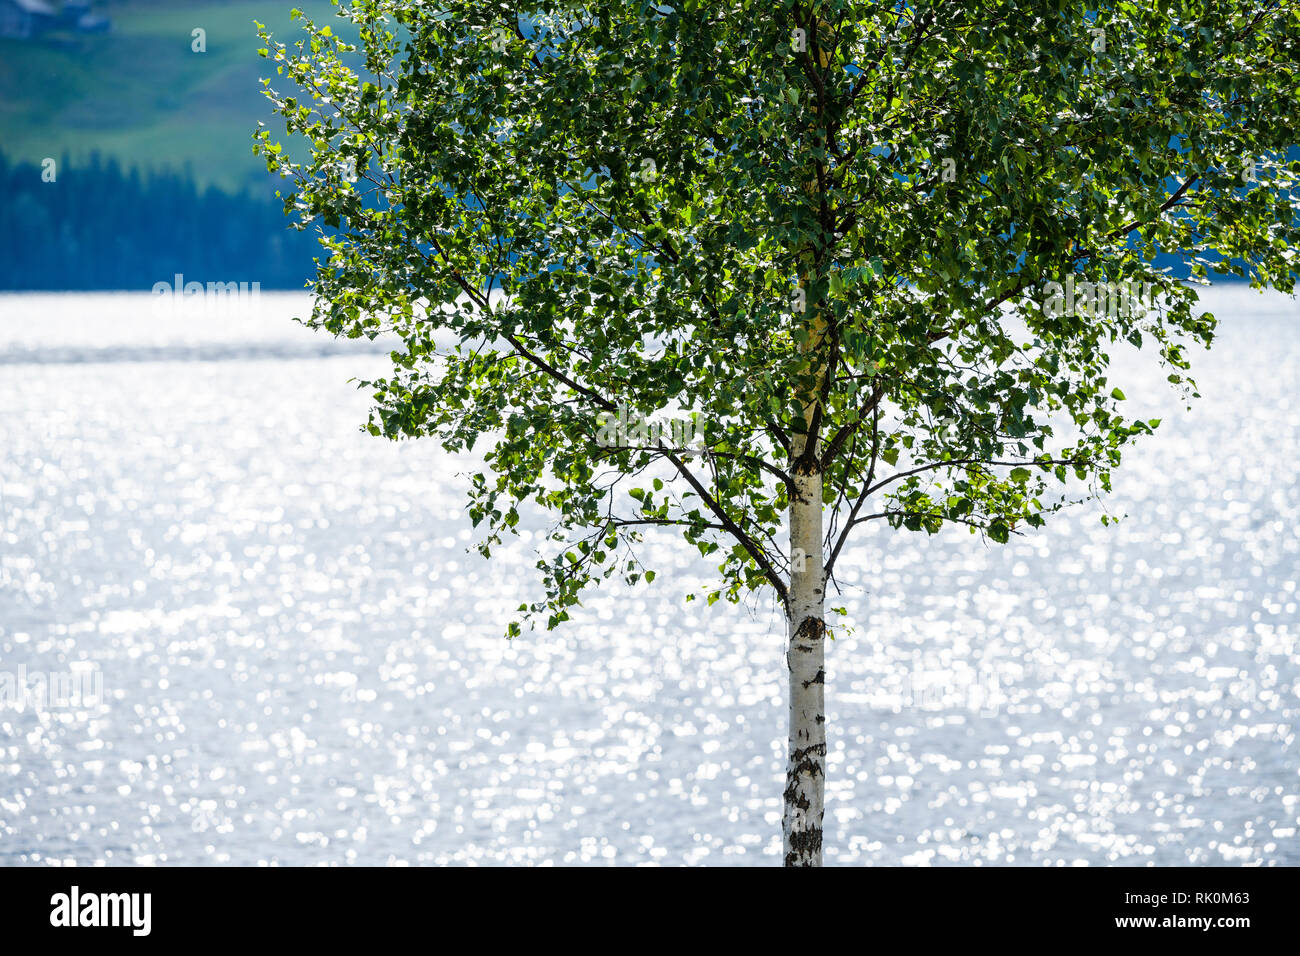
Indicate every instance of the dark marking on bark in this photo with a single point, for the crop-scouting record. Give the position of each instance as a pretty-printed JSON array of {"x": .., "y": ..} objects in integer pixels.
[
  {"x": 804, "y": 760},
  {"x": 806, "y": 464},
  {"x": 807, "y": 767},
  {"x": 819, "y": 679},
  {"x": 805, "y": 847},
  {"x": 801, "y": 761},
  {"x": 810, "y": 629}
]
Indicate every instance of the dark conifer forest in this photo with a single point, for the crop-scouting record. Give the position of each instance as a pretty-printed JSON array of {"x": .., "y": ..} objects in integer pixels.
[{"x": 99, "y": 226}]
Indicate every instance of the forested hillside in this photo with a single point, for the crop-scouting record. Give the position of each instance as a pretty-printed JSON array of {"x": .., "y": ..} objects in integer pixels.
[{"x": 98, "y": 226}]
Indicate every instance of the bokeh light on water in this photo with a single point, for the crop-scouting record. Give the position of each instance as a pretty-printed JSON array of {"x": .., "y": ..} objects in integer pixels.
[{"x": 301, "y": 662}]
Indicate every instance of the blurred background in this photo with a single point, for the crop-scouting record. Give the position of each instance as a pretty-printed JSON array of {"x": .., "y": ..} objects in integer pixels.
[
  {"x": 297, "y": 658},
  {"x": 148, "y": 125}
]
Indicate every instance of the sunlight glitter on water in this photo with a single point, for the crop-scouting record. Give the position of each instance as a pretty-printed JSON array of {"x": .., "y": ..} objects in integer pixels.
[{"x": 302, "y": 663}]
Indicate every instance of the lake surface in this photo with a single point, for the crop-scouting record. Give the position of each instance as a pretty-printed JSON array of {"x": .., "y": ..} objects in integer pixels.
[{"x": 301, "y": 662}]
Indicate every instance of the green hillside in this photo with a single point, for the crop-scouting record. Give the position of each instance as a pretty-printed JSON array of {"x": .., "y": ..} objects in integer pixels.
[{"x": 141, "y": 95}]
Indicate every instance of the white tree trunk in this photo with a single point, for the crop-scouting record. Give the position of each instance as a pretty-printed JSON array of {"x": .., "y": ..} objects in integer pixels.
[
  {"x": 805, "y": 775},
  {"x": 806, "y": 772}
]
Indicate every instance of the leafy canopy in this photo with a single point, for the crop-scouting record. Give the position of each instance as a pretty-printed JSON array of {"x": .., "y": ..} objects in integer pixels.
[{"x": 833, "y": 220}]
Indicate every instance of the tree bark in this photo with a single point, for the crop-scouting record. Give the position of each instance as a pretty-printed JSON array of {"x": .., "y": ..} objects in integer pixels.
[{"x": 805, "y": 776}]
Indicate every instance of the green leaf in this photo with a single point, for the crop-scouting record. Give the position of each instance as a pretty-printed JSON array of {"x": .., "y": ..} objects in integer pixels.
[{"x": 644, "y": 197}]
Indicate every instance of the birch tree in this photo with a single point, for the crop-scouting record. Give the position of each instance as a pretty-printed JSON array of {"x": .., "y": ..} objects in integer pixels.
[{"x": 879, "y": 253}]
